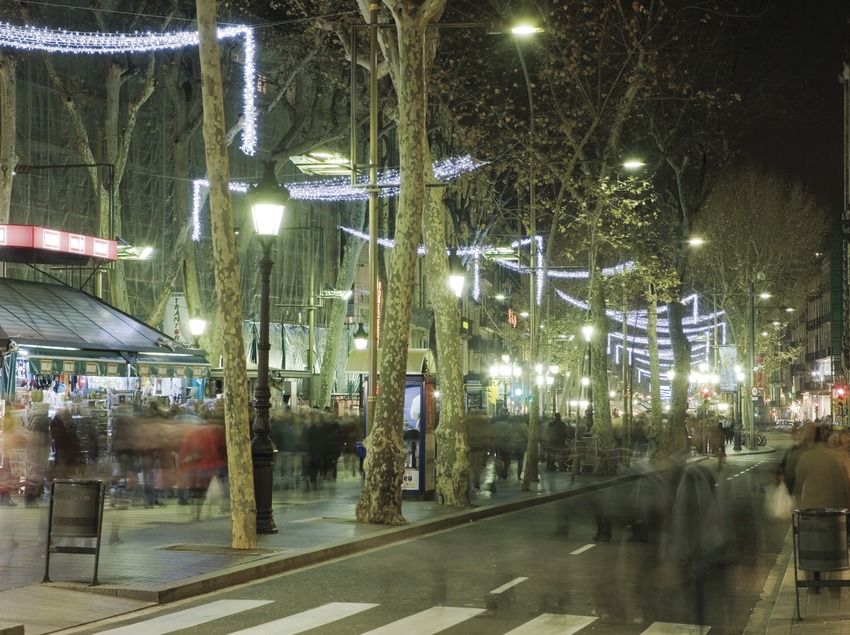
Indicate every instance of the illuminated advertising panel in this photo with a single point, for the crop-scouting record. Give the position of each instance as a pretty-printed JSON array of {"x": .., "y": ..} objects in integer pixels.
[{"x": 42, "y": 239}]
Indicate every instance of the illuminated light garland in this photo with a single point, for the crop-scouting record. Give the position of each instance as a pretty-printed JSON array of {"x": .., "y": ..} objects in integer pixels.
[
  {"x": 29, "y": 38},
  {"x": 197, "y": 185},
  {"x": 631, "y": 315},
  {"x": 340, "y": 188}
]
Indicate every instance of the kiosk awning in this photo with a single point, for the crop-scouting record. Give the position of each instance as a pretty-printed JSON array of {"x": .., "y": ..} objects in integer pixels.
[
  {"x": 65, "y": 330},
  {"x": 420, "y": 361}
]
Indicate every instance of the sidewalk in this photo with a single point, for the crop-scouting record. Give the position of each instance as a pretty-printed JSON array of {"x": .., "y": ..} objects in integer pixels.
[{"x": 164, "y": 556}]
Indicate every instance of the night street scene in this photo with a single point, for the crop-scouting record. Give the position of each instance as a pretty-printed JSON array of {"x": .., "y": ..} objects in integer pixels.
[{"x": 405, "y": 317}]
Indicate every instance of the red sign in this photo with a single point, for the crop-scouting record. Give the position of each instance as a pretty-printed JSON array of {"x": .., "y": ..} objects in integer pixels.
[{"x": 53, "y": 240}]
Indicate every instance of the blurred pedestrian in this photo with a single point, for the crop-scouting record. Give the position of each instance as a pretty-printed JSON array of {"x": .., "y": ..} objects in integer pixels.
[
  {"x": 556, "y": 439},
  {"x": 820, "y": 478},
  {"x": 478, "y": 438}
]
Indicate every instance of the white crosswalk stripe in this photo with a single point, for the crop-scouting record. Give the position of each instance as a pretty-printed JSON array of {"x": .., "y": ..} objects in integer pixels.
[
  {"x": 187, "y": 618},
  {"x": 553, "y": 624},
  {"x": 669, "y": 628},
  {"x": 306, "y": 620},
  {"x": 428, "y": 622}
]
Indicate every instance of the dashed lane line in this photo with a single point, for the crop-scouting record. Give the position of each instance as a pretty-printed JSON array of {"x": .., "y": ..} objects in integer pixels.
[
  {"x": 582, "y": 549},
  {"x": 509, "y": 585}
]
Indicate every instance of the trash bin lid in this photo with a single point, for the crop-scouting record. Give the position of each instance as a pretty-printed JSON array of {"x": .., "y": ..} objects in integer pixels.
[{"x": 821, "y": 511}]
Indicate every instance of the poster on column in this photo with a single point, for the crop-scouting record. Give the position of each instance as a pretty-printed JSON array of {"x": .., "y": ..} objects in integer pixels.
[{"x": 412, "y": 436}]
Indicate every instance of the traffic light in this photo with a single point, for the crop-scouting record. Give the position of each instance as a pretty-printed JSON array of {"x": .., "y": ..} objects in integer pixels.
[{"x": 840, "y": 394}]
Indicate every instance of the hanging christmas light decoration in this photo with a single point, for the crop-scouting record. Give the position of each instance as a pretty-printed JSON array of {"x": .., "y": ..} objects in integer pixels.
[
  {"x": 30, "y": 38},
  {"x": 339, "y": 189}
]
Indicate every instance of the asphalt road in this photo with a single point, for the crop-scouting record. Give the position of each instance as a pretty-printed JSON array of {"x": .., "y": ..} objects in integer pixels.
[{"x": 701, "y": 562}]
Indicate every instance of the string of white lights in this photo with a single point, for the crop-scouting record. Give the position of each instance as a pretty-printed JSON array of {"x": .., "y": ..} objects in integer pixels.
[
  {"x": 337, "y": 189},
  {"x": 340, "y": 188},
  {"x": 30, "y": 38}
]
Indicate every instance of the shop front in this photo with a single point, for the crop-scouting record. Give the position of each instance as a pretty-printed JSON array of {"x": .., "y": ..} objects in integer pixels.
[{"x": 64, "y": 351}]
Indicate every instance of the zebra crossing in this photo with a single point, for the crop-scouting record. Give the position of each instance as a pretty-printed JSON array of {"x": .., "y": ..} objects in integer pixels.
[{"x": 427, "y": 622}]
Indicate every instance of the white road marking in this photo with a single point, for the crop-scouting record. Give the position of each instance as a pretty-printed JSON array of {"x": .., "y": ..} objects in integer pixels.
[
  {"x": 553, "y": 624},
  {"x": 668, "y": 628},
  {"x": 427, "y": 622},
  {"x": 187, "y": 618},
  {"x": 307, "y": 620},
  {"x": 582, "y": 549},
  {"x": 307, "y": 520},
  {"x": 509, "y": 585}
]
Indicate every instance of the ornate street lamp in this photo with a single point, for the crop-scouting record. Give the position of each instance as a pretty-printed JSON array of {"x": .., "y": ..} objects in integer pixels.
[
  {"x": 457, "y": 276},
  {"x": 268, "y": 202},
  {"x": 197, "y": 327},
  {"x": 361, "y": 338}
]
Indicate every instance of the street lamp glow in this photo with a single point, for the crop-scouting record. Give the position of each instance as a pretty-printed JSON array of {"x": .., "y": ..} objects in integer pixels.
[
  {"x": 518, "y": 392},
  {"x": 764, "y": 295},
  {"x": 553, "y": 369},
  {"x": 696, "y": 241},
  {"x": 585, "y": 381},
  {"x": 539, "y": 379},
  {"x": 456, "y": 280},
  {"x": 525, "y": 29},
  {"x": 612, "y": 393},
  {"x": 361, "y": 338},
  {"x": 197, "y": 326},
  {"x": 587, "y": 332},
  {"x": 550, "y": 380},
  {"x": 494, "y": 370},
  {"x": 523, "y": 314},
  {"x": 268, "y": 202},
  {"x": 633, "y": 164}
]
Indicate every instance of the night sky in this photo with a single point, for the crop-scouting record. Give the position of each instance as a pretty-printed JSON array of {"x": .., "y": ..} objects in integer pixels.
[{"x": 803, "y": 46}]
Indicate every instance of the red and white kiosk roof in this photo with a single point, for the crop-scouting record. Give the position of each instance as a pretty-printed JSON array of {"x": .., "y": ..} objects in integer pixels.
[{"x": 31, "y": 244}]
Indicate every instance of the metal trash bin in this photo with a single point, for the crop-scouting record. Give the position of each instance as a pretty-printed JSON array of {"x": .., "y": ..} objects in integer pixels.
[{"x": 822, "y": 539}]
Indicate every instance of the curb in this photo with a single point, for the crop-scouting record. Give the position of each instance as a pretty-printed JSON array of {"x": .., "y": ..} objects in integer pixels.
[
  {"x": 8, "y": 628},
  {"x": 275, "y": 565}
]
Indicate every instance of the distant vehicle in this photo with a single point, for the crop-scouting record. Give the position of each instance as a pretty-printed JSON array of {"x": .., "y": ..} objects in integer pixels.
[{"x": 786, "y": 425}]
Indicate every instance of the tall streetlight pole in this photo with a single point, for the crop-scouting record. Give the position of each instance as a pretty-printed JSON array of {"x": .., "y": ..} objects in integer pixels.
[
  {"x": 268, "y": 202},
  {"x": 751, "y": 353},
  {"x": 531, "y": 463},
  {"x": 587, "y": 333}
]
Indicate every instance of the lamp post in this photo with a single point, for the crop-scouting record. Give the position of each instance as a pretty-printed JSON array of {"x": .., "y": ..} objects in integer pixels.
[
  {"x": 268, "y": 201},
  {"x": 587, "y": 333}
]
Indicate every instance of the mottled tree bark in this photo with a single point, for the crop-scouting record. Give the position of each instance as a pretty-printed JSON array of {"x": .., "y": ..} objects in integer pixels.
[
  {"x": 452, "y": 447},
  {"x": 336, "y": 325},
  {"x": 8, "y": 130},
  {"x": 380, "y": 498},
  {"x": 654, "y": 371},
  {"x": 676, "y": 433},
  {"x": 602, "y": 427},
  {"x": 243, "y": 522}
]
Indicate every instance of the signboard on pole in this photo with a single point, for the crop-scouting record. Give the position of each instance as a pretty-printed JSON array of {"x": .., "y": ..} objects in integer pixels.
[{"x": 728, "y": 359}]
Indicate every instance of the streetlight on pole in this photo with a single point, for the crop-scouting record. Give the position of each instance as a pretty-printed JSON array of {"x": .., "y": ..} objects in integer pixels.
[{"x": 268, "y": 202}]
